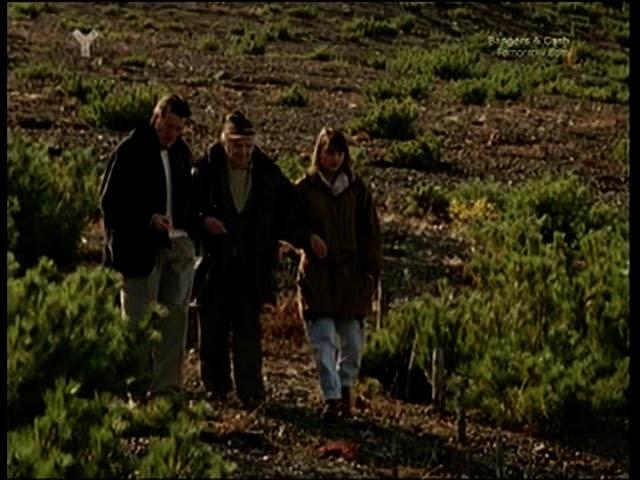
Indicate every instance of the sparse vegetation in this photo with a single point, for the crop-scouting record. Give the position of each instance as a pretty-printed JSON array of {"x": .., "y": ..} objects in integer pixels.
[
  {"x": 52, "y": 201},
  {"x": 136, "y": 61},
  {"x": 474, "y": 94},
  {"x": 280, "y": 31},
  {"x": 293, "y": 166},
  {"x": 389, "y": 119},
  {"x": 120, "y": 110},
  {"x": 294, "y": 96},
  {"x": 426, "y": 199},
  {"x": 86, "y": 89},
  {"x": 209, "y": 43},
  {"x": 40, "y": 71},
  {"x": 547, "y": 229},
  {"x": 250, "y": 43},
  {"x": 305, "y": 12},
  {"x": 368, "y": 27},
  {"x": 29, "y": 10},
  {"x": 416, "y": 87},
  {"x": 423, "y": 153},
  {"x": 323, "y": 54}
]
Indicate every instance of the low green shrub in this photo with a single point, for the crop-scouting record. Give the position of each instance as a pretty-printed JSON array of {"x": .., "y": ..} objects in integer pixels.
[
  {"x": 294, "y": 96},
  {"x": 390, "y": 119},
  {"x": 293, "y": 167},
  {"x": 121, "y": 109},
  {"x": 69, "y": 326},
  {"x": 541, "y": 334},
  {"x": 87, "y": 89},
  {"x": 426, "y": 199},
  {"x": 53, "y": 200},
  {"x": 423, "y": 153},
  {"x": 250, "y": 43},
  {"x": 40, "y": 71},
  {"x": 323, "y": 54}
]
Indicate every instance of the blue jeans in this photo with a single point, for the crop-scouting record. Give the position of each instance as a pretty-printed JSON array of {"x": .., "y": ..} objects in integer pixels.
[{"x": 337, "y": 349}]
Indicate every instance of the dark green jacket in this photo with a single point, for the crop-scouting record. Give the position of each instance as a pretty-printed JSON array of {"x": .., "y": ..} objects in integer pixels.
[
  {"x": 274, "y": 213},
  {"x": 342, "y": 283}
]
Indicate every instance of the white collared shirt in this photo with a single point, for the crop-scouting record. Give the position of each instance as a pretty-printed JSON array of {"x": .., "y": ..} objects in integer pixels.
[
  {"x": 164, "y": 153},
  {"x": 339, "y": 185}
]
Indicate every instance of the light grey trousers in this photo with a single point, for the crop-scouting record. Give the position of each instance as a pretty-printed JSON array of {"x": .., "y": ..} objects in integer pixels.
[
  {"x": 169, "y": 284},
  {"x": 337, "y": 349}
]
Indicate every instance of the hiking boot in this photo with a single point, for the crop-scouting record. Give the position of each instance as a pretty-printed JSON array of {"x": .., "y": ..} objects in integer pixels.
[
  {"x": 345, "y": 403},
  {"x": 252, "y": 402},
  {"x": 217, "y": 395},
  {"x": 332, "y": 410}
]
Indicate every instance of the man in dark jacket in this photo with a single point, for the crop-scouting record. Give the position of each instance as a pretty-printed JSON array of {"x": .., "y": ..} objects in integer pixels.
[
  {"x": 148, "y": 221},
  {"x": 245, "y": 206}
]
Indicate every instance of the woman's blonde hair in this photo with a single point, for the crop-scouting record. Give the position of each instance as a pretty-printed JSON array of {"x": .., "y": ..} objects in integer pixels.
[{"x": 331, "y": 140}]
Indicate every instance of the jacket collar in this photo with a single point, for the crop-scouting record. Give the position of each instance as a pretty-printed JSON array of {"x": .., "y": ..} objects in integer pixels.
[
  {"x": 147, "y": 133},
  {"x": 322, "y": 183},
  {"x": 339, "y": 185}
]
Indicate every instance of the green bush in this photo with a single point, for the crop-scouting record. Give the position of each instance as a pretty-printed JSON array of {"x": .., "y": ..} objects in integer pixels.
[
  {"x": 250, "y": 43},
  {"x": 209, "y": 43},
  {"x": 83, "y": 438},
  {"x": 30, "y": 10},
  {"x": 405, "y": 22},
  {"x": 182, "y": 454},
  {"x": 426, "y": 199},
  {"x": 323, "y": 54},
  {"x": 305, "y": 12},
  {"x": 122, "y": 109},
  {"x": 137, "y": 60},
  {"x": 279, "y": 31},
  {"x": 69, "y": 326},
  {"x": 294, "y": 96},
  {"x": 293, "y": 167},
  {"x": 390, "y": 119},
  {"x": 423, "y": 153},
  {"x": 40, "y": 71},
  {"x": 474, "y": 94},
  {"x": 507, "y": 86},
  {"x": 411, "y": 61},
  {"x": 368, "y": 27},
  {"x": 612, "y": 92},
  {"x": 74, "y": 437},
  {"x": 385, "y": 88},
  {"x": 621, "y": 152},
  {"x": 13, "y": 208},
  {"x": 54, "y": 200},
  {"x": 456, "y": 62},
  {"x": 542, "y": 333},
  {"x": 87, "y": 89},
  {"x": 375, "y": 61},
  {"x": 84, "y": 23}
]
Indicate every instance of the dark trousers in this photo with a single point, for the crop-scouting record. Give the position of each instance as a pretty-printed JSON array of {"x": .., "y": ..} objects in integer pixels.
[{"x": 230, "y": 317}]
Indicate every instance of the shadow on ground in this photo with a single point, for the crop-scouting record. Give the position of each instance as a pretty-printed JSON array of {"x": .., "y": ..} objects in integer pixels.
[{"x": 381, "y": 447}]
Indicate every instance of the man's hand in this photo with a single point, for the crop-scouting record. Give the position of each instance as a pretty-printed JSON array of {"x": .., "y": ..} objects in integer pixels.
[
  {"x": 318, "y": 246},
  {"x": 162, "y": 223},
  {"x": 214, "y": 226}
]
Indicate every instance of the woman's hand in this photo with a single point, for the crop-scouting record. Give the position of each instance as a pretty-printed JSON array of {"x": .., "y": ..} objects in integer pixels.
[
  {"x": 318, "y": 246},
  {"x": 214, "y": 226}
]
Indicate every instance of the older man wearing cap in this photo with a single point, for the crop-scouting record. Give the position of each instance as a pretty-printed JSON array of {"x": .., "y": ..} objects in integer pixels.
[{"x": 245, "y": 206}]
